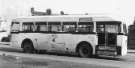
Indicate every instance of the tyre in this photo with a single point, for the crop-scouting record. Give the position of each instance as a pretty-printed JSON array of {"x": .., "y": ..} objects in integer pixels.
[
  {"x": 28, "y": 47},
  {"x": 85, "y": 50}
]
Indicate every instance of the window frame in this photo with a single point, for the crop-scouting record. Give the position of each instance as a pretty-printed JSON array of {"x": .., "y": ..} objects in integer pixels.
[
  {"x": 69, "y": 23},
  {"x": 17, "y": 26},
  {"x": 31, "y": 27},
  {"x": 52, "y": 24},
  {"x": 41, "y": 23},
  {"x": 104, "y": 23},
  {"x": 88, "y": 25}
]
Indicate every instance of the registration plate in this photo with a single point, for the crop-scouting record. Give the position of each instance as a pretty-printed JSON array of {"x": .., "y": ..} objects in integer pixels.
[
  {"x": 108, "y": 53},
  {"x": 106, "y": 48}
]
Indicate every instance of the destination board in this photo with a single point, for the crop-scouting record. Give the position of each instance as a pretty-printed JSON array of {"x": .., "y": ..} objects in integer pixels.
[{"x": 87, "y": 19}]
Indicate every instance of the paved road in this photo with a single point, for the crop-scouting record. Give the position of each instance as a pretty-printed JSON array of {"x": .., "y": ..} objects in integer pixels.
[{"x": 14, "y": 58}]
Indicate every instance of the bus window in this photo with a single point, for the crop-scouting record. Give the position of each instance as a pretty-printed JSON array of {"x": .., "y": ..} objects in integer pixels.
[
  {"x": 111, "y": 28},
  {"x": 125, "y": 29},
  {"x": 15, "y": 27},
  {"x": 85, "y": 27},
  {"x": 54, "y": 27},
  {"x": 100, "y": 28},
  {"x": 28, "y": 27},
  {"x": 41, "y": 26},
  {"x": 69, "y": 26}
]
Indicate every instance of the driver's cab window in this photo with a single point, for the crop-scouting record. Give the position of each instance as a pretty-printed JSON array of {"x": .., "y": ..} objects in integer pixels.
[{"x": 15, "y": 27}]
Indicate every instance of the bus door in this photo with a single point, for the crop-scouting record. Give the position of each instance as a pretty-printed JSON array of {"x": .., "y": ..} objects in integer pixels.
[{"x": 107, "y": 39}]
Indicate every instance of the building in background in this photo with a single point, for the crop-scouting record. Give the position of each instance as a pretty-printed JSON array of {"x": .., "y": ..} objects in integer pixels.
[
  {"x": 4, "y": 29},
  {"x": 131, "y": 36}
]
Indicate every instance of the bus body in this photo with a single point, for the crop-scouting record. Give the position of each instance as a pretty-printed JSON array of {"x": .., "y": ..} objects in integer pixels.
[{"x": 83, "y": 35}]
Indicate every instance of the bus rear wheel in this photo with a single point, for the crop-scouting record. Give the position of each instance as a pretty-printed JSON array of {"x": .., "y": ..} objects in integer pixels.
[
  {"x": 28, "y": 47},
  {"x": 85, "y": 50}
]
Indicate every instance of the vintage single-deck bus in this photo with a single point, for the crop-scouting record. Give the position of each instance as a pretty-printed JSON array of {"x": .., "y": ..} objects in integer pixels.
[{"x": 83, "y": 35}]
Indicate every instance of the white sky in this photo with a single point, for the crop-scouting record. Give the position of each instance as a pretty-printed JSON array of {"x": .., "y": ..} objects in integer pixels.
[{"x": 120, "y": 9}]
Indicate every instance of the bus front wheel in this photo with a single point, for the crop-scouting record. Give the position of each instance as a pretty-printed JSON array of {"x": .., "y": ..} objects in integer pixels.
[
  {"x": 85, "y": 50},
  {"x": 28, "y": 47}
]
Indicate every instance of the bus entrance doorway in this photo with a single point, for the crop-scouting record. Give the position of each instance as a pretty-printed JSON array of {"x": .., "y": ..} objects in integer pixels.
[{"x": 107, "y": 39}]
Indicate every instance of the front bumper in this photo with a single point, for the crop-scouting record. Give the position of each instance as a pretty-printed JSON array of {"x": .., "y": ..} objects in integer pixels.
[{"x": 108, "y": 50}]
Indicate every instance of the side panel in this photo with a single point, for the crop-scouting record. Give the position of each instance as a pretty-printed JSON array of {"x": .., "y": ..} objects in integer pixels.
[
  {"x": 68, "y": 42},
  {"x": 60, "y": 42},
  {"x": 42, "y": 41},
  {"x": 15, "y": 40},
  {"x": 18, "y": 38},
  {"x": 54, "y": 42}
]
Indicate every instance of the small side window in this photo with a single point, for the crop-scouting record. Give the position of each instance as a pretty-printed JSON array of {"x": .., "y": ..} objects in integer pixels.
[
  {"x": 54, "y": 26},
  {"x": 69, "y": 27},
  {"x": 15, "y": 27},
  {"x": 28, "y": 27},
  {"x": 85, "y": 27},
  {"x": 41, "y": 26}
]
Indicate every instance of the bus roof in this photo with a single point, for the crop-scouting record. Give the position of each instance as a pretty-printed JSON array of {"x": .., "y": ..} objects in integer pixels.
[{"x": 64, "y": 18}]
